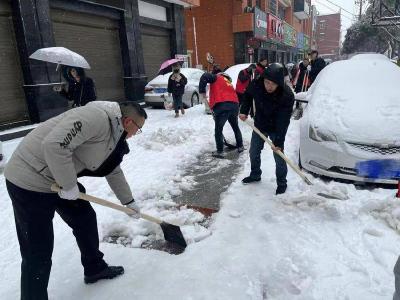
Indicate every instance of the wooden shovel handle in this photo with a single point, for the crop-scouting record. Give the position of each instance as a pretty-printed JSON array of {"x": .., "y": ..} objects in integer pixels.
[
  {"x": 127, "y": 210},
  {"x": 280, "y": 153}
]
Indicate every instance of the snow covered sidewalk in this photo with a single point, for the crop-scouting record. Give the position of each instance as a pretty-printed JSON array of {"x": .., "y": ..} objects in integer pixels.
[{"x": 259, "y": 246}]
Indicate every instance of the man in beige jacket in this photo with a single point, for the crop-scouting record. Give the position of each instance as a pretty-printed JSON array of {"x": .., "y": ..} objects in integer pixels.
[{"x": 85, "y": 141}]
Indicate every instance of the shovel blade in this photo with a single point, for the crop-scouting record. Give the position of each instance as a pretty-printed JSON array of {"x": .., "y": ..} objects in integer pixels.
[{"x": 173, "y": 234}]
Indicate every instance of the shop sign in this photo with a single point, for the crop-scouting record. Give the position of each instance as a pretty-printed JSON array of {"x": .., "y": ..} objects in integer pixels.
[
  {"x": 260, "y": 24},
  {"x": 289, "y": 35},
  {"x": 275, "y": 28},
  {"x": 300, "y": 40}
]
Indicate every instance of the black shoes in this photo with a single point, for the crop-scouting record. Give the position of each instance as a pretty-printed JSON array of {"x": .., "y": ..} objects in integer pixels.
[
  {"x": 218, "y": 154},
  {"x": 108, "y": 273},
  {"x": 281, "y": 189},
  {"x": 250, "y": 179}
]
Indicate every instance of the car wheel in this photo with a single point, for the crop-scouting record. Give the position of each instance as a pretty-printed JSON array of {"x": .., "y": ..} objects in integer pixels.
[{"x": 195, "y": 99}]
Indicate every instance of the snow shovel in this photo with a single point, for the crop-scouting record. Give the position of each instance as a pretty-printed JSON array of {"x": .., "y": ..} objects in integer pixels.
[
  {"x": 172, "y": 233},
  {"x": 290, "y": 163}
]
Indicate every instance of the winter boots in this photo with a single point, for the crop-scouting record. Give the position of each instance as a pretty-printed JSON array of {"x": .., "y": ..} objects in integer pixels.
[
  {"x": 218, "y": 154},
  {"x": 182, "y": 111},
  {"x": 240, "y": 149},
  {"x": 281, "y": 189},
  {"x": 250, "y": 179},
  {"x": 176, "y": 115},
  {"x": 108, "y": 273}
]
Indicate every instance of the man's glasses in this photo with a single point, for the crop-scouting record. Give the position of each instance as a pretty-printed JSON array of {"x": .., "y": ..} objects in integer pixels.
[{"x": 139, "y": 128}]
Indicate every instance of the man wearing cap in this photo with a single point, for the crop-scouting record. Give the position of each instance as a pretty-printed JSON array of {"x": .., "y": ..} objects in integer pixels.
[
  {"x": 274, "y": 103},
  {"x": 224, "y": 104},
  {"x": 85, "y": 141}
]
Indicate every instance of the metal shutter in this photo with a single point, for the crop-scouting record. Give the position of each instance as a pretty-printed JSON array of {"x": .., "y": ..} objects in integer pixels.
[
  {"x": 12, "y": 97},
  {"x": 156, "y": 48},
  {"x": 97, "y": 39}
]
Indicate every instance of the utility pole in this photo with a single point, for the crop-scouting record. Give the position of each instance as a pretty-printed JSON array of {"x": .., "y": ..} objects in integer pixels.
[{"x": 359, "y": 2}]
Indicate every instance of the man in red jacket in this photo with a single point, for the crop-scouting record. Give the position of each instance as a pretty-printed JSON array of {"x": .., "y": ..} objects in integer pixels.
[
  {"x": 260, "y": 67},
  {"x": 224, "y": 104},
  {"x": 244, "y": 78}
]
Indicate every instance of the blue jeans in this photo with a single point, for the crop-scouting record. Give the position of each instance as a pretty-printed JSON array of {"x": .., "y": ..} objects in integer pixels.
[
  {"x": 177, "y": 102},
  {"x": 226, "y": 111},
  {"x": 257, "y": 144}
]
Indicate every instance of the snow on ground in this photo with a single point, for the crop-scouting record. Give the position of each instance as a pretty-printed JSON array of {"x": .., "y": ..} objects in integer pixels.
[{"x": 259, "y": 246}]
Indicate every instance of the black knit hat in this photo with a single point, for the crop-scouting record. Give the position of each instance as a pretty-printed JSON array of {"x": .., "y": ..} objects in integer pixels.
[{"x": 274, "y": 72}]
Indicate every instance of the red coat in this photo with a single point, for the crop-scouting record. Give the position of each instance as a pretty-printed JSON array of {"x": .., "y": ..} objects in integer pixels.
[
  {"x": 222, "y": 91},
  {"x": 259, "y": 70},
  {"x": 242, "y": 85}
]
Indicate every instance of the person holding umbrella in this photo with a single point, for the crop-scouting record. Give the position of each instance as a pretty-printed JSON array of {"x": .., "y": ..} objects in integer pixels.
[
  {"x": 81, "y": 88},
  {"x": 176, "y": 86}
]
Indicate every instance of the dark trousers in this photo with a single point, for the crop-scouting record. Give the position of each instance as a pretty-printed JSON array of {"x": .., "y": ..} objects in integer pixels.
[
  {"x": 257, "y": 144},
  {"x": 396, "y": 271},
  {"x": 34, "y": 214},
  {"x": 178, "y": 104},
  {"x": 226, "y": 111}
]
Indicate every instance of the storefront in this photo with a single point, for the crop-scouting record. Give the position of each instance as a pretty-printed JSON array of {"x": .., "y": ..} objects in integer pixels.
[
  {"x": 300, "y": 46},
  {"x": 124, "y": 41},
  {"x": 276, "y": 50},
  {"x": 289, "y": 39}
]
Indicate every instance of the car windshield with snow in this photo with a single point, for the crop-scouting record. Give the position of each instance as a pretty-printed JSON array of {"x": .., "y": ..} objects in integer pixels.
[{"x": 353, "y": 115}]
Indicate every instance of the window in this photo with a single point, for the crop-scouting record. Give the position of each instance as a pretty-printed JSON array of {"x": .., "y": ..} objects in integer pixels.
[
  {"x": 322, "y": 26},
  {"x": 281, "y": 12},
  {"x": 258, "y": 3},
  {"x": 272, "y": 6}
]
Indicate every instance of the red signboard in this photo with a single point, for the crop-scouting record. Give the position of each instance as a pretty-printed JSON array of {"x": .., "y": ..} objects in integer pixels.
[{"x": 275, "y": 28}]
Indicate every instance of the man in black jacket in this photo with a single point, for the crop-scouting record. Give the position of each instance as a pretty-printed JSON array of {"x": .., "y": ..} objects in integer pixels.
[
  {"x": 317, "y": 64},
  {"x": 274, "y": 103}
]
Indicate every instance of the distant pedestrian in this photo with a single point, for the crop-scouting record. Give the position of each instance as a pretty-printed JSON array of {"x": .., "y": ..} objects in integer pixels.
[
  {"x": 260, "y": 67},
  {"x": 81, "y": 88},
  {"x": 224, "y": 104},
  {"x": 176, "y": 86},
  {"x": 301, "y": 80},
  {"x": 244, "y": 78},
  {"x": 317, "y": 64}
]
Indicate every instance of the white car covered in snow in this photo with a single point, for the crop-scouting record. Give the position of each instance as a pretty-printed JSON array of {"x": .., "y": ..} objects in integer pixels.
[
  {"x": 156, "y": 89},
  {"x": 353, "y": 114}
]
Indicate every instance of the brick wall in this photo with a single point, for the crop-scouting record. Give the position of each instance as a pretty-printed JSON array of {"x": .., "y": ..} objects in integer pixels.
[
  {"x": 328, "y": 34},
  {"x": 214, "y": 30}
]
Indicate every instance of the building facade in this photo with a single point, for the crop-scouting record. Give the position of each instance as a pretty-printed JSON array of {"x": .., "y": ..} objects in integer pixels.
[
  {"x": 242, "y": 31},
  {"x": 124, "y": 41},
  {"x": 328, "y": 35}
]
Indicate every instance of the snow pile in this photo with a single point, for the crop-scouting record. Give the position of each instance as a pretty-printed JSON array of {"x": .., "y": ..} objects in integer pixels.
[
  {"x": 348, "y": 95},
  {"x": 259, "y": 246}
]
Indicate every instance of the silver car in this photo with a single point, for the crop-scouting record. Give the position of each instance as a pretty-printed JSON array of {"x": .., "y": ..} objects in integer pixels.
[
  {"x": 156, "y": 89},
  {"x": 353, "y": 115}
]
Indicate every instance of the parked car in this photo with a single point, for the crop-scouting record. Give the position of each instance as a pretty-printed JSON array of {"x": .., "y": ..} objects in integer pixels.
[
  {"x": 352, "y": 115},
  {"x": 157, "y": 88}
]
